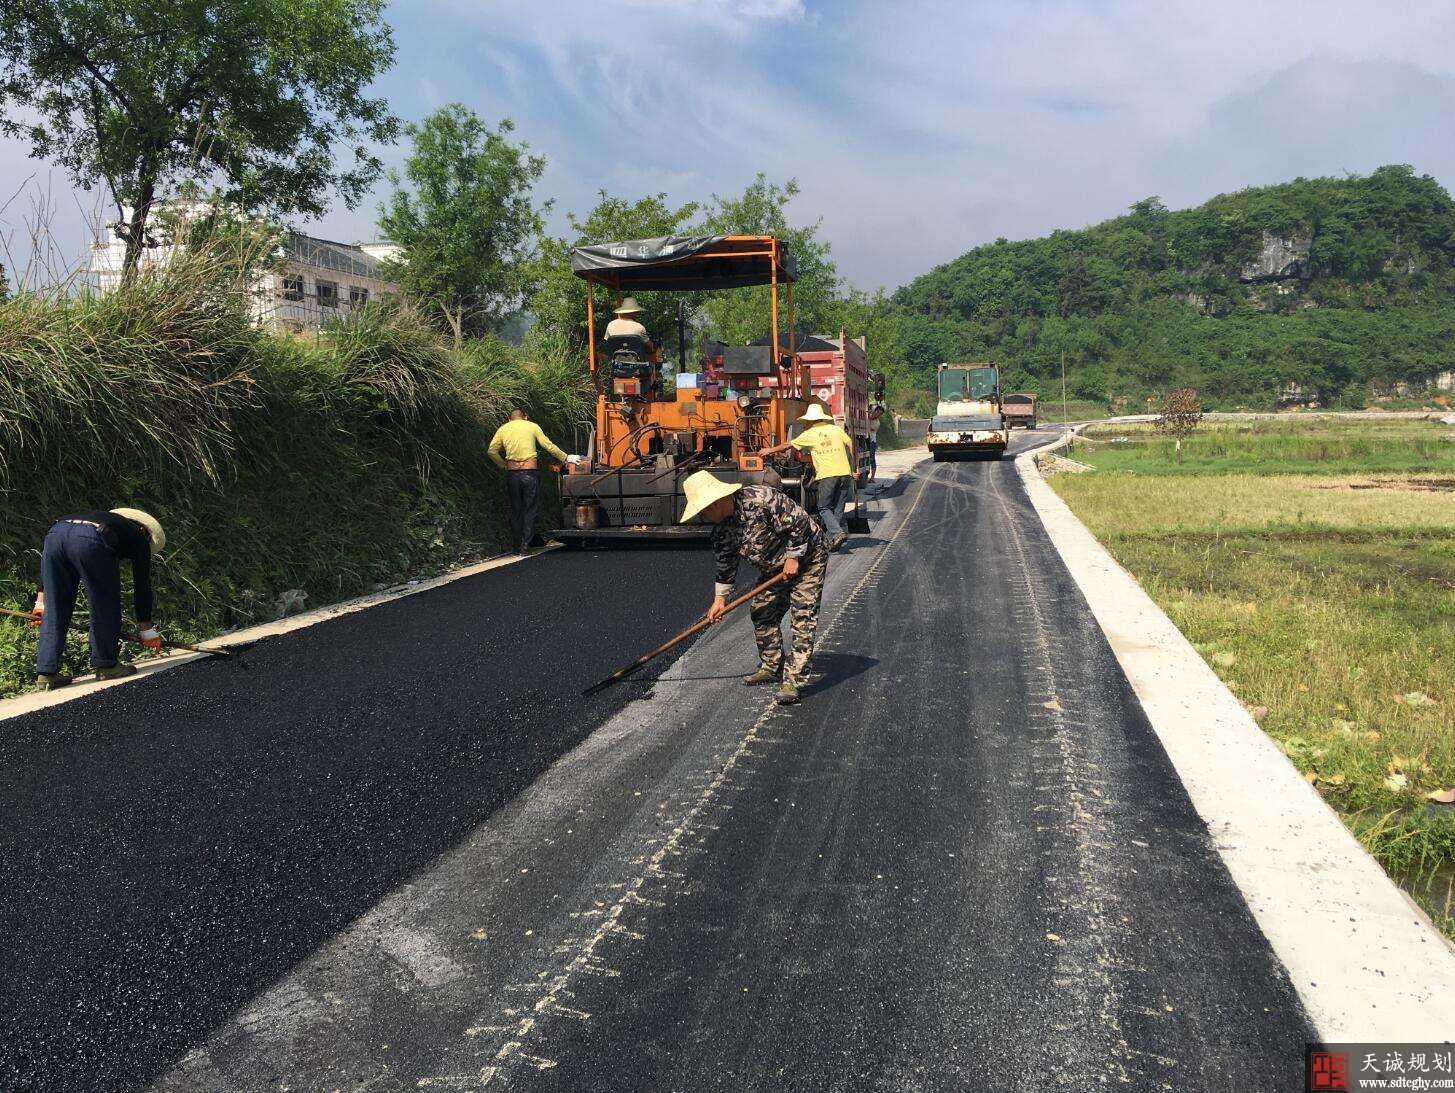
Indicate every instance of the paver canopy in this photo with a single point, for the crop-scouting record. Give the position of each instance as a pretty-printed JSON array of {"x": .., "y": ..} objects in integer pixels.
[{"x": 684, "y": 262}]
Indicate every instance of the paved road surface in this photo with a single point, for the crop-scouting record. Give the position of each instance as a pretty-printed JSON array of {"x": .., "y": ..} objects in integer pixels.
[{"x": 401, "y": 853}]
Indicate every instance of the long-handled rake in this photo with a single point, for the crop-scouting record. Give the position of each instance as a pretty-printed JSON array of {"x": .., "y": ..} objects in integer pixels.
[
  {"x": 223, "y": 653},
  {"x": 695, "y": 628}
]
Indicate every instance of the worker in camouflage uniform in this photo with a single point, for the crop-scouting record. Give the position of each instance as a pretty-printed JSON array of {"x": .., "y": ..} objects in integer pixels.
[{"x": 764, "y": 526}]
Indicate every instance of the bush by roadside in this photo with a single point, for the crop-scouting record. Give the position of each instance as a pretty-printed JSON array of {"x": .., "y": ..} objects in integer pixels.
[{"x": 280, "y": 466}]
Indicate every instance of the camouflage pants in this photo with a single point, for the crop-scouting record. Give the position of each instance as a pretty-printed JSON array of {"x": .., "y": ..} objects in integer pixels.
[{"x": 798, "y": 598}]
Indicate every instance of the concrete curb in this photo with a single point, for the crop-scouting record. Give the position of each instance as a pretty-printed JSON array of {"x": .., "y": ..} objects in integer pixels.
[
  {"x": 1366, "y": 961},
  {"x": 39, "y": 700}
]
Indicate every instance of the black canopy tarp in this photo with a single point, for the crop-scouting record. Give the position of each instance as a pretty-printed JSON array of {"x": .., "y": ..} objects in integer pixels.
[
  {"x": 682, "y": 262},
  {"x": 804, "y": 343}
]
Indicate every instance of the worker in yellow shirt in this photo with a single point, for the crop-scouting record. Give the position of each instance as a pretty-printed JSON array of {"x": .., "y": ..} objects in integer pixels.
[
  {"x": 832, "y": 451},
  {"x": 514, "y": 449}
]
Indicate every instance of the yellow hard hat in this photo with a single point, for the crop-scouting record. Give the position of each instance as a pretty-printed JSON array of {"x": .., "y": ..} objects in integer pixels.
[
  {"x": 702, "y": 489},
  {"x": 148, "y": 521},
  {"x": 816, "y": 412}
]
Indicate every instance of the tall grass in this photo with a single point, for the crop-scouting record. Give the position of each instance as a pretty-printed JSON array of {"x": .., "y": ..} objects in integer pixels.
[
  {"x": 149, "y": 377},
  {"x": 278, "y": 465}
]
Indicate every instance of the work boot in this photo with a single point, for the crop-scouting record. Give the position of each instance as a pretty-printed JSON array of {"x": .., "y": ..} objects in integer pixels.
[
  {"x": 116, "y": 671},
  {"x": 761, "y": 676},
  {"x": 838, "y": 540},
  {"x": 787, "y": 694},
  {"x": 50, "y": 681}
]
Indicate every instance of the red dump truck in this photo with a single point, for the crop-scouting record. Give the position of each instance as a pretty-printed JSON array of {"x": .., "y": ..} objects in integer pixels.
[
  {"x": 1019, "y": 409},
  {"x": 839, "y": 378}
]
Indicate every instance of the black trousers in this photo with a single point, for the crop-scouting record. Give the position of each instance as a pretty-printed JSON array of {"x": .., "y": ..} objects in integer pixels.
[
  {"x": 524, "y": 490},
  {"x": 75, "y": 555}
]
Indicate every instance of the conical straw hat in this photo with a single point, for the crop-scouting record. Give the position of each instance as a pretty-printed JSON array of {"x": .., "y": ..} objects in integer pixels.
[
  {"x": 148, "y": 521},
  {"x": 816, "y": 413},
  {"x": 702, "y": 489}
]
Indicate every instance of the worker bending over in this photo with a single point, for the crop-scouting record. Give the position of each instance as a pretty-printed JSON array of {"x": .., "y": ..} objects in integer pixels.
[
  {"x": 85, "y": 550},
  {"x": 514, "y": 449},
  {"x": 832, "y": 451},
  {"x": 764, "y": 526}
]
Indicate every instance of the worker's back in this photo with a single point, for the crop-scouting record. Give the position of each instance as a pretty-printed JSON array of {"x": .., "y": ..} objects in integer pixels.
[
  {"x": 624, "y": 328},
  {"x": 519, "y": 433}
]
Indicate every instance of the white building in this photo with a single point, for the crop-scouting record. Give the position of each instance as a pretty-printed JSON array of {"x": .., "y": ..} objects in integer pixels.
[
  {"x": 319, "y": 280},
  {"x": 314, "y": 280}
]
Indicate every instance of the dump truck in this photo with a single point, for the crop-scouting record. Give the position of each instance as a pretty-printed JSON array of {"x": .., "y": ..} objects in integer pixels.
[
  {"x": 839, "y": 378},
  {"x": 968, "y": 419},
  {"x": 1019, "y": 409},
  {"x": 649, "y": 433}
]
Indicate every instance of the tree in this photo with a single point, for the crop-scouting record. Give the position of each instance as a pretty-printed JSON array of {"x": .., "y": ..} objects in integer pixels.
[
  {"x": 252, "y": 94},
  {"x": 1181, "y": 413},
  {"x": 559, "y": 299},
  {"x": 741, "y": 315},
  {"x": 467, "y": 224}
]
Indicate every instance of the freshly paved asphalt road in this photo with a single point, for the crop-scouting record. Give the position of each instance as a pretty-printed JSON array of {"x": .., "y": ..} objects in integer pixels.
[{"x": 402, "y": 853}]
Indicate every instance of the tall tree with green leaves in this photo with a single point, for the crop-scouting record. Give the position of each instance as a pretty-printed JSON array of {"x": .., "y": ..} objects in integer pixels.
[
  {"x": 253, "y": 96},
  {"x": 741, "y": 315},
  {"x": 559, "y": 299},
  {"x": 466, "y": 219}
]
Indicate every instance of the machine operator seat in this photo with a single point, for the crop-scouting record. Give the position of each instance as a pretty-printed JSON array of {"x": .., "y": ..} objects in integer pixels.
[
  {"x": 630, "y": 357},
  {"x": 629, "y": 346}
]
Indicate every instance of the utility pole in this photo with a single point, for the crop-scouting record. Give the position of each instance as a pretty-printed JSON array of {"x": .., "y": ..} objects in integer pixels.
[{"x": 1063, "y": 387}]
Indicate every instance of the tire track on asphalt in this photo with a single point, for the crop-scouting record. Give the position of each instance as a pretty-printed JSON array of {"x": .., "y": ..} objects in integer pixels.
[{"x": 1085, "y": 963}]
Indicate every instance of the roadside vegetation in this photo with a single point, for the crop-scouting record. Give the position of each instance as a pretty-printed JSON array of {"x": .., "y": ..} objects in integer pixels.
[
  {"x": 289, "y": 472},
  {"x": 1312, "y": 563},
  {"x": 1051, "y": 409}
]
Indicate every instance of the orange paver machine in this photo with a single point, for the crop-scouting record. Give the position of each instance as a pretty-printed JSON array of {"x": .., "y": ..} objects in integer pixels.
[{"x": 649, "y": 434}]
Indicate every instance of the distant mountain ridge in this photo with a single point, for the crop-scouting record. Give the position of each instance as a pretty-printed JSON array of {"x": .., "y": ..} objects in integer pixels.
[{"x": 1330, "y": 284}]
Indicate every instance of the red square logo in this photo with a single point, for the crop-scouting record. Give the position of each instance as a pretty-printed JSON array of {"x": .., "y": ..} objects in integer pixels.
[{"x": 1328, "y": 1070}]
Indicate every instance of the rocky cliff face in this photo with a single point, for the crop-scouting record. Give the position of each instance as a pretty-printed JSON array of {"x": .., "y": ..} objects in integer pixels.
[{"x": 1280, "y": 258}]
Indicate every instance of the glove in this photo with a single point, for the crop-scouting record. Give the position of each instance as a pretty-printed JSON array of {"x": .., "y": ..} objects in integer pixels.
[{"x": 151, "y": 639}]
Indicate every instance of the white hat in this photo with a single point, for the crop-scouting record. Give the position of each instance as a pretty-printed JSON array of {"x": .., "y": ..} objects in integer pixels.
[
  {"x": 629, "y": 307},
  {"x": 702, "y": 489},
  {"x": 148, "y": 521},
  {"x": 816, "y": 412}
]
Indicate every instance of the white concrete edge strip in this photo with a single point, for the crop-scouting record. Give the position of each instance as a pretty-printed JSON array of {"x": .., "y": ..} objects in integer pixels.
[
  {"x": 1366, "y": 961},
  {"x": 39, "y": 700}
]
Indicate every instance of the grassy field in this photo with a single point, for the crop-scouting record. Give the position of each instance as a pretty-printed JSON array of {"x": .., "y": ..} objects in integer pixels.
[
  {"x": 1312, "y": 563},
  {"x": 1049, "y": 409},
  {"x": 1264, "y": 446}
]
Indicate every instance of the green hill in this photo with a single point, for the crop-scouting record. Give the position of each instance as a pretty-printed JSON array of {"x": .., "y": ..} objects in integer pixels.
[{"x": 1337, "y": 285}]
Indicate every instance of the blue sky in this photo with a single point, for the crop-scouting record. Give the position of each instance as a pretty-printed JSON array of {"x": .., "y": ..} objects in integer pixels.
[{"x": 917, "y": 130}]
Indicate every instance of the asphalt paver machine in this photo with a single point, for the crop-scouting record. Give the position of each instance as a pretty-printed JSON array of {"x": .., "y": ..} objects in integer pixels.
[{"x": 652, "y": 430}]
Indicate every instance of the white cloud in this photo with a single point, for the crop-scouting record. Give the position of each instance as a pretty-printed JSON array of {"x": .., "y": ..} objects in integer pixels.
[
  {"x": 728, "y": 11},
  {"x": 919, "y": 129}
]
